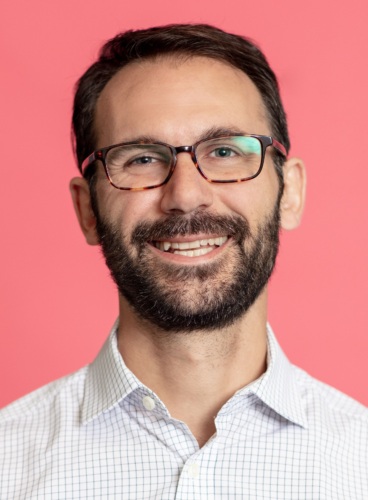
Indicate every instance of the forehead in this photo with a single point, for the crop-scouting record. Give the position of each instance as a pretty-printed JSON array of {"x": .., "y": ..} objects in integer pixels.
[{"x": 177, "y": 100}]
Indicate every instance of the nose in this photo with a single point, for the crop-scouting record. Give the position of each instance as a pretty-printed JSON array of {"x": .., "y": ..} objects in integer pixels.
[{"x": 186, "y": 190}]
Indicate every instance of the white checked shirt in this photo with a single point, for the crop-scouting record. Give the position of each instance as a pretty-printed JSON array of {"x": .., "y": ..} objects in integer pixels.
[{"x": 101, "y": 434}]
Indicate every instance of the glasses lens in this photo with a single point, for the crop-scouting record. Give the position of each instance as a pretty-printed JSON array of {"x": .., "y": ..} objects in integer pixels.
[
  {"x": 138, "y": 165},
  {"x": 230, "y": 158}
]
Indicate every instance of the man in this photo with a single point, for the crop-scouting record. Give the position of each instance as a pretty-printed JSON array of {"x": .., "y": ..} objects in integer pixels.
[{"x": 182, "y": 143}]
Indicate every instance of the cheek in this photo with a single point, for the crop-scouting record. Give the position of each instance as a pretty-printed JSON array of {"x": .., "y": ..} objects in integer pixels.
[
  {"x": 254, "y": 200},
  {"x": 249, "y": 202},
  {"x": 125, "y": 209}
]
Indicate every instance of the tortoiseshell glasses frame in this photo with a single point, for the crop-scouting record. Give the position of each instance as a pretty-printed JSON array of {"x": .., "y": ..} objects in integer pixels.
[{"x": 101, "y": 155}]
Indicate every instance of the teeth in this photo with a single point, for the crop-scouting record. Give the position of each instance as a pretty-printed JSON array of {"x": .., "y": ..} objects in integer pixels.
[
  {"x": 191, "y": 248},
  {"x": 194, "y": 253},
  {"x": 193, "y": 244}
]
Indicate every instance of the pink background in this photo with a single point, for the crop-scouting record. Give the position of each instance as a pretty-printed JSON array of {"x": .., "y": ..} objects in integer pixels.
[{"x": 57, "y": 300}]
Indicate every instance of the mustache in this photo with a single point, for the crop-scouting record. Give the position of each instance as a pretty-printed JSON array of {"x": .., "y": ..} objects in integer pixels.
[{"x": 182, "y": 225}]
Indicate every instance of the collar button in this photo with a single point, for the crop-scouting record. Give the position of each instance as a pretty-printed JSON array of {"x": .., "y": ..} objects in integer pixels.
[{"x": 148, "y": 403}]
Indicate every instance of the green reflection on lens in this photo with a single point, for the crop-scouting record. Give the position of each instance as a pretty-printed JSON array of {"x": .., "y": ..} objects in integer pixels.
[{"x": 249, "y": 144}]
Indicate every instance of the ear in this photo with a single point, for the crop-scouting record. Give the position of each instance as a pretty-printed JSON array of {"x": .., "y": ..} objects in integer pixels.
[
  {"x": 293, "y": 198},
  {"x": 81, "y": 196}
]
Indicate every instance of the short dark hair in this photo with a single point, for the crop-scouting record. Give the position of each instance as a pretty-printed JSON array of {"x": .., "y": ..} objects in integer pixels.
[{"x": 188, "y": 40}]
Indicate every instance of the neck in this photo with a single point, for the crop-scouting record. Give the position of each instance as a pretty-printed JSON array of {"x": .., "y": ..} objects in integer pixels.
[{"x": 195, "y": 374}]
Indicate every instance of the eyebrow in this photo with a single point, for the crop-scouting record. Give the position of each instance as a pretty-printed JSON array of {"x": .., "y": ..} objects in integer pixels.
[
  {"x": 215, "y": 132},
  {"x": 212, "y": 133}
]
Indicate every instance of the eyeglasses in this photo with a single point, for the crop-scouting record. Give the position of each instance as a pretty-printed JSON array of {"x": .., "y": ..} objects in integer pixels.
[{"x": 139, "y": 166}]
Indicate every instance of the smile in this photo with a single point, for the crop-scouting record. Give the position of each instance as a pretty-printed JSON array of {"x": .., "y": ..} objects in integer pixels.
[{"x": 191, "y": 248}]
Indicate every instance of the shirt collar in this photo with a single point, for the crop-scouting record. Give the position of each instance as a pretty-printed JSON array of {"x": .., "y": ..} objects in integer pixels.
[
  {"x": 278, "y": 387},
  {"x": 109, "y": 381}
]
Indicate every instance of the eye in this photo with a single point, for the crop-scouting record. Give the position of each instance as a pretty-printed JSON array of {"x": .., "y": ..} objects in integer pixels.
[
  {"x": 223, "y": 152},
  {"x": 142, "y": 160}
]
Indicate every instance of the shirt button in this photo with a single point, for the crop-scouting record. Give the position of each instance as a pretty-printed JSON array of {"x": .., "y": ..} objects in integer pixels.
[
  {"x": 148, "y": 402},
  {"x": 193, "y": 470}
]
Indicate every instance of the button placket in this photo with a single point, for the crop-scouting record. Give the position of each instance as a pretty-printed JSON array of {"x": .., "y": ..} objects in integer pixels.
[{"x": 193, "y": 470}]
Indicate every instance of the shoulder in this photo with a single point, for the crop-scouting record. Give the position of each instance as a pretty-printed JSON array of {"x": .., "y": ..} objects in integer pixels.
[
  {"x": 328, "y": 407},
  {"x": 66, "y": 391},
  {"x": 34, "y": 428},
  {"x": 29, "y": 425}
]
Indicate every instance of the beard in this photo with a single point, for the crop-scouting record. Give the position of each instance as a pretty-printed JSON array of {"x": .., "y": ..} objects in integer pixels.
[{"x": 185, "y": 298}]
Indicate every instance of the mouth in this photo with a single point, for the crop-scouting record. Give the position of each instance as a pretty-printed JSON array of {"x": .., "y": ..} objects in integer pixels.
[{"x": 195, "y": 248}]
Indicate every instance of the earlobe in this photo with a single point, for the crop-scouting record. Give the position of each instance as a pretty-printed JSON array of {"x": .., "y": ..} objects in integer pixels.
[
  {"x": 293, "y": 198},
  {"x": 81, "y": 196}
]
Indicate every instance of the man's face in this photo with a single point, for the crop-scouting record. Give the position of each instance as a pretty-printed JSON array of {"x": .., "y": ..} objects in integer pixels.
[{"x": 233, "y": 228}]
